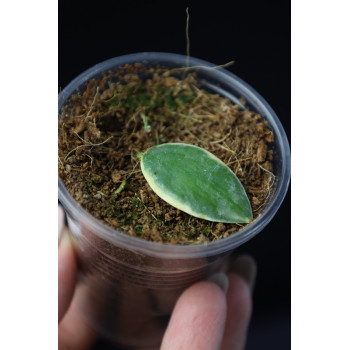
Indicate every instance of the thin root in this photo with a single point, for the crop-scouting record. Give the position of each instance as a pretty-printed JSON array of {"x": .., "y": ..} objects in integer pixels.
[
  {"x": 260, "y": 166},
  {"x": 187, "y": 40},
  {"x": 238, "y": 160},
  {"x": 91, "y": 159},
  {"x": 202, "y": 67},
  {"x": 88, "y": 144},
  {"x": 147, "y": 209},
  {"x": 92, "y": 104},
  {"x": 226, "y": 149},
  {"x": 223, "y": 139}
]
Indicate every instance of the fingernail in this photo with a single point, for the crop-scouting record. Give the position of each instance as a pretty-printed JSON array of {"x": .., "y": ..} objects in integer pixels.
[
  {"x": 60, "y": 223},
  {"x": 221, "y": 280},
  {"x": 246, "y": 267}
]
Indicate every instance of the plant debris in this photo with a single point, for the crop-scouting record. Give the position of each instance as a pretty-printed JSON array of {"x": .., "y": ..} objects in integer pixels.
[{"x": 103, "y": 130}]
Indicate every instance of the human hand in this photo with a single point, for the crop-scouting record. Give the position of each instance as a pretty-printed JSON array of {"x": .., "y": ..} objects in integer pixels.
[{"x": 209, "y": 315}]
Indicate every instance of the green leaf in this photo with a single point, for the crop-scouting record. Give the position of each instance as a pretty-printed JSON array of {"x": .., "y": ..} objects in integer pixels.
[{"x": 195, "y": 181}]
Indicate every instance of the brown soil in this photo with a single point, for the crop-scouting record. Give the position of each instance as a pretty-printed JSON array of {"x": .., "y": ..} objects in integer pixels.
[{"x": 102, "y": 130}]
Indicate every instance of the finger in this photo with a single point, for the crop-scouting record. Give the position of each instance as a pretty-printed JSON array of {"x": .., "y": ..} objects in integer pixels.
[
  {"x": 73, "y": 333},
  {"x": 198, "y": 319},
  {"x": 67, "y": 268},
  {"x": 239, "y": 308}
]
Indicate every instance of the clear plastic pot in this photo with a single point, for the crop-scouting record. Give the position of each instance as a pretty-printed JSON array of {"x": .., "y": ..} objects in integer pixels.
[{"x": 128, "y": 286}]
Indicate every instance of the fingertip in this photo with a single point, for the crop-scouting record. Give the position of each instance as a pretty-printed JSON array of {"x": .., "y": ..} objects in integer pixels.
[
  {"x": 198, "y": 319},
  {"x": 205, "y": 291},
  {"x": 245, "y": 266},
  {"x": 206, "y": 298},
  {"x": 221, "y": 280}
]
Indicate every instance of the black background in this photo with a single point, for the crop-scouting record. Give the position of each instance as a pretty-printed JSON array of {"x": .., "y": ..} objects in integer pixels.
[{"x": 256, "y": 35}]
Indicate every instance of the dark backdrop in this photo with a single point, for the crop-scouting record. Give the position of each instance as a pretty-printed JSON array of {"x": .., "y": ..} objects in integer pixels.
[{"x": 256, "y": 35}]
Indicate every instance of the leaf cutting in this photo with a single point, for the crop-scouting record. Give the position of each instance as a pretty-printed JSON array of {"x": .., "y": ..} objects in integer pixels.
[{"x": 195, "y": 181}]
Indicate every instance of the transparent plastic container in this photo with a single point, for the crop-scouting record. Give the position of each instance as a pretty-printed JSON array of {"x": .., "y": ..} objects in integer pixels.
[{"x": 128, "y": 286}]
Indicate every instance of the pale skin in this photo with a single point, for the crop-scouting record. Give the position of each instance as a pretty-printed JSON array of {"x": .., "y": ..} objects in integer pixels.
[{"x": 204, "y": 317}]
